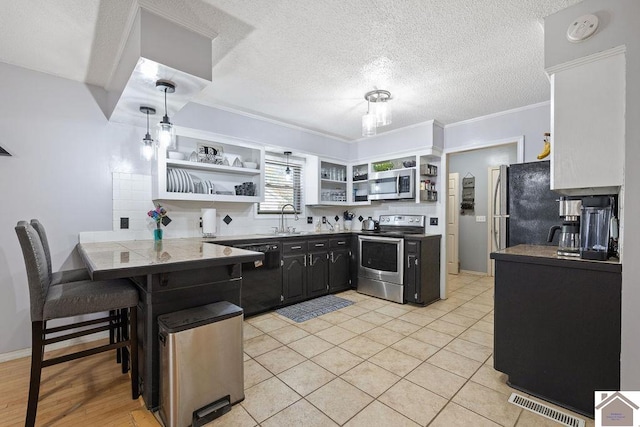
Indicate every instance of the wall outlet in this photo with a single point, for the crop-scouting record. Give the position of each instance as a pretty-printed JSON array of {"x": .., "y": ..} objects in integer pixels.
[
  {"x": 324, "y": 219},
  {"x": 481, "y": 218},
  {"x": 309, "y": 220},
  {"x": 200, "y": 223},
  {"x": 433, "y": 221},
  {"x": 124, "y": 223}
]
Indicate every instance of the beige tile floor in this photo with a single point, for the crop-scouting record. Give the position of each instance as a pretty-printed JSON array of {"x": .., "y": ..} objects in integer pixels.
[{"x": 377, "y": 363}]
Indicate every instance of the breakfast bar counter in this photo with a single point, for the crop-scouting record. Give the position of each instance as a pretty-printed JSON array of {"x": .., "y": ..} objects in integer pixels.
[{"x": 171, "y": 275}]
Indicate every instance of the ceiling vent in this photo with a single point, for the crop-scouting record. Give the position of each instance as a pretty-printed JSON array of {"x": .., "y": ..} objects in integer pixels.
[{"x": 4, "y": 152}]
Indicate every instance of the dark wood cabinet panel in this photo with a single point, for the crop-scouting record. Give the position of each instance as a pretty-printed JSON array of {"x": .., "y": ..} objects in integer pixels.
[
  {"x": 294, "y": 277},
  {"x": 339, "y": 278},
  {"x": 422, "y": 270},
  {"x": 318, "y": 274},
  {"x": 557, "y": 329}
]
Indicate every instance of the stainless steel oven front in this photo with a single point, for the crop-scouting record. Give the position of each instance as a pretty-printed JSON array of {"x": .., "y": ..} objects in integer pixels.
[{"x": 380, "y": 267}]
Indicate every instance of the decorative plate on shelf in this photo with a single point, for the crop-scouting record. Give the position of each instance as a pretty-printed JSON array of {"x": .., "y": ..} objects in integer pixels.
[{"x": 209, "y": 153}]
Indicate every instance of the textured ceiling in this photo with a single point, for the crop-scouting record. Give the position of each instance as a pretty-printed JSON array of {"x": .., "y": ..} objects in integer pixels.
[{"x": 309, "y": 62}]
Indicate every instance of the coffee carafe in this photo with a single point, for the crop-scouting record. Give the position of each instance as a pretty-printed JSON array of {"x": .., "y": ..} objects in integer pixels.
[
  {"x": 569, "y": 241},
  {"x": 595, "y": 224}
]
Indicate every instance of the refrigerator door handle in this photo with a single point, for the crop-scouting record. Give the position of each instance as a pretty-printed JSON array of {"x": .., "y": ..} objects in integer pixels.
[{"x": 499, "y": 216}]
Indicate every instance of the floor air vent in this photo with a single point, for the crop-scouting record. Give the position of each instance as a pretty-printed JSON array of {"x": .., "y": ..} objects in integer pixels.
[{"x": 546, "y": 411}]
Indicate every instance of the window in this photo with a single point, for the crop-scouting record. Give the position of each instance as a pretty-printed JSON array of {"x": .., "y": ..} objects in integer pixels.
[{"x": 281, "y": 188}]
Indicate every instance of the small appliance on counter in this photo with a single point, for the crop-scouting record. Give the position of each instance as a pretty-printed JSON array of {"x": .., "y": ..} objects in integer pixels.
[
  {"x": 595, "y": 225},
  {"x": 370, "y": 224},
  {"x": 569, "y": 240}
]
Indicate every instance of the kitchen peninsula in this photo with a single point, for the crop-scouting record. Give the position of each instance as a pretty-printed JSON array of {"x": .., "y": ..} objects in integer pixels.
[
  {"x": 557, "y": 324},
  {"x": 171, "y": 275}
]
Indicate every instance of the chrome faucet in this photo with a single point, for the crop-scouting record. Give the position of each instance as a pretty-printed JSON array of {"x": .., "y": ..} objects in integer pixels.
[{"x": 282, "y": 219}]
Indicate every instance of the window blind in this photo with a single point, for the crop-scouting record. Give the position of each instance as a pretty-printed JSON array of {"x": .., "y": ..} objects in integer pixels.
[{"x": 281, "y": 189}]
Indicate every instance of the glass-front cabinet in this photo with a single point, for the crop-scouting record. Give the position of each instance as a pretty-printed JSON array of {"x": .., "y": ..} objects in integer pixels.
[{"x": 208, "y": 167}]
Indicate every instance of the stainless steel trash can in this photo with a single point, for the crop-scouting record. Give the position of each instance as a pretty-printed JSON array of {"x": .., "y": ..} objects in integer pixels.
[{"x": 201, "y": 363}]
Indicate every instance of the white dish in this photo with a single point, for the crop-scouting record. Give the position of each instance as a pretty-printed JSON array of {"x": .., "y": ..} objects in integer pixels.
[
  {"x": 250, "y": 165},
  {"x": 176, "y": 155},
  {"x": 179, "y": 178},
  {"x": 185, "y": 184},
  {"x": 168, "y": 179},
  {"x": 190, "y": 181},
  {"x": 172, "y": 180}
]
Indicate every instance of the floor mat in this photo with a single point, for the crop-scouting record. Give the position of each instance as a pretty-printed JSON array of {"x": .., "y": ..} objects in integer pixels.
[{"x": 313, "y": 308}]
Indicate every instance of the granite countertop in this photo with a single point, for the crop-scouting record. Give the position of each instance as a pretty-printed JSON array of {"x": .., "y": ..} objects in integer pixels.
[
  {"x": 545, "y": 252},
  {"x": 114, "y": 259}
]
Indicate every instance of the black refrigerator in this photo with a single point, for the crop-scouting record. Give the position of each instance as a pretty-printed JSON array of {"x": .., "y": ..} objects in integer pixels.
[{"x": 525, "y": 208}]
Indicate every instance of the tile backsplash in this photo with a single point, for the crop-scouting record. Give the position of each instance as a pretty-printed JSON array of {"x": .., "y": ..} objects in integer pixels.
[{"x": 132, "y": 200}]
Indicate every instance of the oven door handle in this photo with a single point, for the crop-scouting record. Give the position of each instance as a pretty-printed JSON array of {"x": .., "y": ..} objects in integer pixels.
[{"x": 380, "y": 239}]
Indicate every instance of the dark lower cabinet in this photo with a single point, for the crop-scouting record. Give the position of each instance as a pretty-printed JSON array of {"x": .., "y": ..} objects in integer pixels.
[
  {"x": 315, "y": 267},
  {"x": 557, "y": 327},
  {"x": 422, "y": 269},
  {"x": 294, "y": 277},
  {"x": 318, "y": 274},
  {"x": 339, "y": 264}
]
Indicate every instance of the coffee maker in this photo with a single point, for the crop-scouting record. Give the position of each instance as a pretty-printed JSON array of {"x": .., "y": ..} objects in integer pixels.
[
  {"x": 596, "y": 223},
  {"x": 569, "y": 241}
]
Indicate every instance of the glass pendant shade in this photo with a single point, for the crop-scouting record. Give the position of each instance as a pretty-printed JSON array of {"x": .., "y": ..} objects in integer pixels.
[
  {"x": 369, "y": 124},
  {"x": 166, "y": 133},
  {"x": 148, "y": 145},
  {"x": 383, "y": 113}
]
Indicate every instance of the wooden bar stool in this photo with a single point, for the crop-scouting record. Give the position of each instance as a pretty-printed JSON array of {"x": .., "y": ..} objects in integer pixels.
[{"x": 53, "y": 297}]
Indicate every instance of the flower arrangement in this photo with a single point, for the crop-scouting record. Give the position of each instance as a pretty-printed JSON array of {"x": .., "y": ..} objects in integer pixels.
[
  {"x": 348, "y": 216},
  {"x": 159, "y": 215}
]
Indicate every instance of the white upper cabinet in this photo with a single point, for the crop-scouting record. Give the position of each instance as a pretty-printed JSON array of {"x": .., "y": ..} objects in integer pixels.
[
  {"x": 214, "y": 168},
  {"x": 588, "y": 124}
]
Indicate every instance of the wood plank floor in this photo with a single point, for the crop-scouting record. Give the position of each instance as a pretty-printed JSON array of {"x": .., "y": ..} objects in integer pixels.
[{"x": 91, "y": 391}]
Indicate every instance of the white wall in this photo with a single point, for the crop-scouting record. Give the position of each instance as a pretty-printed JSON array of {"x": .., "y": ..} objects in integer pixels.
[
  {"x": 618, "y": 26},
  {"x": 531, "y": 121}
]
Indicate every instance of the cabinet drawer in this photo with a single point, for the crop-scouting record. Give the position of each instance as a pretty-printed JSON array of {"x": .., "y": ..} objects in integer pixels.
[
  {"x": 341, "y": 242},
  {"x": 294, "y": 247},
  {"x": 318, "y": 245},
  {"x": 411, "y": 246}
]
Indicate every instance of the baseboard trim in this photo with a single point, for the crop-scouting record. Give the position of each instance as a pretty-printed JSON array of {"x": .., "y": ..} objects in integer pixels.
[{"x": 26, "y": 352}]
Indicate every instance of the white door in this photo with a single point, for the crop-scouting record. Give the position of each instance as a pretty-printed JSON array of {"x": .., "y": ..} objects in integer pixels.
[{"x": 453, "y": 205}]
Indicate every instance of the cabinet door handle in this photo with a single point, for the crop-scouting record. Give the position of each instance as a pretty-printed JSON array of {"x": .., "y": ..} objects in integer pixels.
[
  {"x": 332, "y": 257},
  {"x": 408, "y": 262},
  {"x": 310, "y": 260},
  {"x": 342, "y": 243},
  {"x": 305, "y": 260},
  {"x": 281, "y": 263},
  {"x": 416, "y": 261},
  {"x": 296, "y": 247},
  {"x": 319, "y": 245}
]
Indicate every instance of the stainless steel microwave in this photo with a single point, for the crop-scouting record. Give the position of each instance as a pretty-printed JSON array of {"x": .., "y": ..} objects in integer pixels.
[{"x": 392, "y": 185}]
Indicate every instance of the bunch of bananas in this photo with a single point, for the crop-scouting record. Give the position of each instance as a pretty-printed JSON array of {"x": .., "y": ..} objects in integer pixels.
[{"x": 547, "y": 147}]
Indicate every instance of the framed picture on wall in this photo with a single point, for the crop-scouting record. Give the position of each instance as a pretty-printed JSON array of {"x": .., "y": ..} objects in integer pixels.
[{"x": 208, "y": 153}]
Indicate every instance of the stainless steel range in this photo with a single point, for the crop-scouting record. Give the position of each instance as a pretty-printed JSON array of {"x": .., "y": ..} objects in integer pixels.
[{"x": 381, "y": 256}]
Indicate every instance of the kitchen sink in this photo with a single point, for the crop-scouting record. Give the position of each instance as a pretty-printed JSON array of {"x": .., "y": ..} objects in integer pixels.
[{"x": 286, "y": 233}]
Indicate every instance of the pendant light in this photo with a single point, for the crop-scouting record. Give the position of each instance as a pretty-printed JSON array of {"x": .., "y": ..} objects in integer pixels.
[
  {"x": 381, "y": 114},
  {"x": 368, "y": 121},
  {"x": 166, "y": 130},
  {"x": 287, "y": 171},
  {"x": 147, "y": 141}
]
